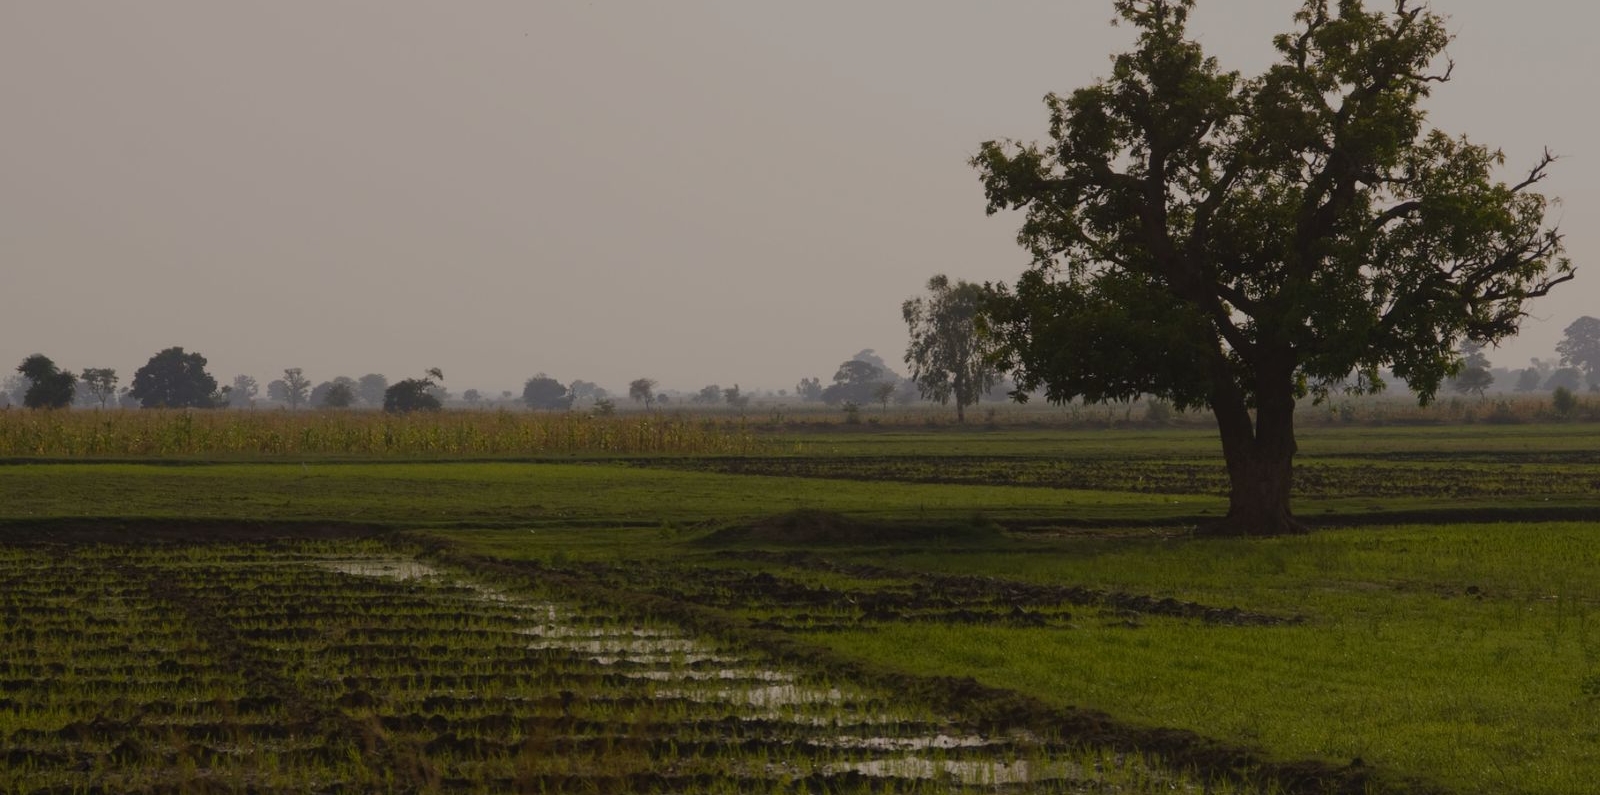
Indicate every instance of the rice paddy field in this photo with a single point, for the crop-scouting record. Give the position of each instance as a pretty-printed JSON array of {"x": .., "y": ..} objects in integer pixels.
[{"x": 716, "y": 606}]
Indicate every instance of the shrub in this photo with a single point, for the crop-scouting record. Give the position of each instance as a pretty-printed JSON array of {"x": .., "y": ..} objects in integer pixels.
[{"x": 852, "y": 413}]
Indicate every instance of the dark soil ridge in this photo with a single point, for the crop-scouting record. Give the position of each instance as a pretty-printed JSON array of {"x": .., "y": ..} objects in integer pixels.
[
  {"x": 139, "y": 530},
  {"x": 1152, "y": 475},
  {"x": 991, "y": 709},
  {"x": 1006, "y": 592}
]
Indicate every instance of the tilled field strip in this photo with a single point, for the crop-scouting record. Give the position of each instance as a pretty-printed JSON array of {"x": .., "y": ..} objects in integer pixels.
[{"x": 346, "y": 666}]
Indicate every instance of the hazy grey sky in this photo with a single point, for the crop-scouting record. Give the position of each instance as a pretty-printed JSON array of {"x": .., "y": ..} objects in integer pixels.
[{"x": 697, "y": 191}]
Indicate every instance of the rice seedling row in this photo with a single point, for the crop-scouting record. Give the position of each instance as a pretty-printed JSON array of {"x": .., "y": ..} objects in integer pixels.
[
  {"x": 353, "y": 666},
  {"x": 163, "y": 433},
  {"x": 1345, "y": 477}
]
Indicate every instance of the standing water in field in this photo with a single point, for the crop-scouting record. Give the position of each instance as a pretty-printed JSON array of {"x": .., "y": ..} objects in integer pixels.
[{"x": 343, "y": 666}]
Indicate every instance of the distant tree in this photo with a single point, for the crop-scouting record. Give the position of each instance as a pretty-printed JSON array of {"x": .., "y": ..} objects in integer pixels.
[
  {"x": 295, "y": 387},
  {"x": 1568, "y": 378},
  {"x": 1474, "y": 376},
  {"x": 809, "y": 389},
  {"x": 244, "y": 391},
  {"x": 14, "y": 388},
  {"x": 1472, "y": 354},
  {"x": 101, "y": 382},
  {"x": 340, "y": 394},
  {"x": 1580, "y": 346},
  {"x": 413, "y": 394},
  {"x": 604, "y": 407},
  {"x": 709, "y": 395},
  {"x": 546, "y": 393},
  {"x": 949, "y": 357},
  {"x": 175, "y": 379},
  {"x": 1473, "y": 380},
  {"x": 586, "y": 390},
  {"x": 735, "y": 398},
  {"x": 643, "y": 390},
  {"x": 871, "y": 357},
  {"x": 472, "y": 396},
  {"x": 370, "y": 388},
  {"x": 50, "y": 387},
  {"x": 1529, "y": 380},
  {"x": 855, "y": 382},
  {"x": 885, "y": 391},
  {"x": 336, "y": 394}
]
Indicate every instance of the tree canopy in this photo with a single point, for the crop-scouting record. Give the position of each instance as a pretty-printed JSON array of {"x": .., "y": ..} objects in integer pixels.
[
  {"x": 340, "y": 393},
  {"x": 370, "y": 388},
  {"x": 175, "y": 379},
  {"x": 291, "y": 388},
  {"x": 642, "y": 390},
  {"x": 101, "y": 383},
  {"x": 544, "y": 392},
  {"x": 856, "y": 381},
  {"x": 49, "y": 387},
  {"x": 1239, "y": 242},
  {"x": 1580, "y": 347},
  {"x": 414, "y": 394}
]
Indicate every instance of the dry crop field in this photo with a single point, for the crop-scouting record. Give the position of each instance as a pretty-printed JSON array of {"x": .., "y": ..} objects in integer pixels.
[{"x": 354, "y": 665}]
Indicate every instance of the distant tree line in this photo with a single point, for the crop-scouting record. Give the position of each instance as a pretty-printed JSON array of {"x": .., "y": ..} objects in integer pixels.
[{"x": 950, "y": 354}]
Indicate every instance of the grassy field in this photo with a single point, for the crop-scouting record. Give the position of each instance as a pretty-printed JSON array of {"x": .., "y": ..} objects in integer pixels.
[{"x": 1034, "y": 590}]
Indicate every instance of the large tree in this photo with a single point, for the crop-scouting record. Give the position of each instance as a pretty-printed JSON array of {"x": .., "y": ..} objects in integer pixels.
[
  {"x": 543, "y": 392},
  {"x": 948, "y": 356},
  {"x": 370, "y": 388},
  {"x": 643, "y": 390},
  {"x": 1238, "y": 243},
  {"x": 49, "y": 387},
  {"x": 414, "y": 394},
  {"x": 1580, "y": 347},
  {"x": 175, "y": 379},
  {"x": 339, "y": 393},
  {"x": 856, "y": 381}
]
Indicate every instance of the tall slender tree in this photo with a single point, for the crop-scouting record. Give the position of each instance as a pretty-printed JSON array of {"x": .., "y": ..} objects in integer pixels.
[
  {"x": 101, "y": 383},
  {"x": 948, "y": 355}
]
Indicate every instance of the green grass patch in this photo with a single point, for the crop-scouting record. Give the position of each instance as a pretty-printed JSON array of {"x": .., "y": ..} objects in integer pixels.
[{"x": 499, "y": 494}]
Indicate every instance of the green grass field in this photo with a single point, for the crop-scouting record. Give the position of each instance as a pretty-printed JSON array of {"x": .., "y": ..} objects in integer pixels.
[{"x": 1438, "y": 632}]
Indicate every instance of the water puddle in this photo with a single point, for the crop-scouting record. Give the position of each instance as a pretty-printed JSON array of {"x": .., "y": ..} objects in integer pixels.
[{"x": 396, "y": 568}]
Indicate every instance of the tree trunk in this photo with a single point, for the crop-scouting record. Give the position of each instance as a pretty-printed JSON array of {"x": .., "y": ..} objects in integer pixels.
[{"x": 1260, "y": 460}]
